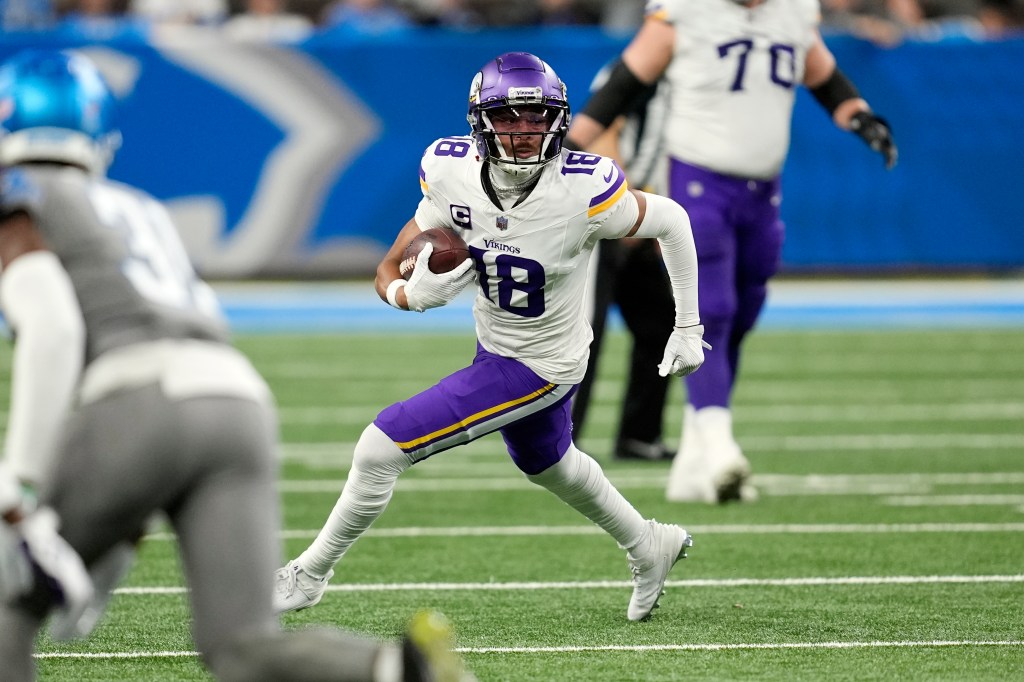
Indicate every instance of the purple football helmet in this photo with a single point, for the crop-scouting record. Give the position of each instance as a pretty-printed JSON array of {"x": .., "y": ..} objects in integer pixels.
[{"x": 511, "y": 85}]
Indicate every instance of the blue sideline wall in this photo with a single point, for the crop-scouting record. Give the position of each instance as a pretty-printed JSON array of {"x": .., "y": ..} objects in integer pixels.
[{"x": 302, "y": 161}]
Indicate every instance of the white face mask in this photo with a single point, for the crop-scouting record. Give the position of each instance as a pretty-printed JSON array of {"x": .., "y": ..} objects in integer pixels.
[
  {"x": 59, "y": 145},
  {"x": 520, "y": 167},
  {"x": 512, "y": 177}
]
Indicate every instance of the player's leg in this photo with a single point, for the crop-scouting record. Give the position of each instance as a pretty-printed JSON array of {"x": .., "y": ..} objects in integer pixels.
[
  {"x": 644, "y": 297},
  {"x": 758, "y": 252},
  {"x": 227, "y": 526},
  {"x": 226, "y": 519},
  {"x": 463, "y": 406},
  {"x": 758, "y": 256},
  {"x": 376, "y": 464},
  {"x": 18, "y": 629},
  {"x": 541, "y": 446},
  {"x": 105, "y": 493},
  {"x": 708, "y": 199},
  {"x": 703, "y": 471},
  {"x": 102, "y": 489}
]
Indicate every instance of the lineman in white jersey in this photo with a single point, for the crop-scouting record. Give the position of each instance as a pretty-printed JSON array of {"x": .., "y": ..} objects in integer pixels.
[
  {"x": 733, "y": 66},
  {"x": 531, "y": 214}
]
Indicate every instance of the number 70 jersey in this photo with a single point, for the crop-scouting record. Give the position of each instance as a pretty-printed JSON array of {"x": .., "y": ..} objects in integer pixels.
[
  {"x": 532, "y": 258},
  {"x": 733, "y": 79}
]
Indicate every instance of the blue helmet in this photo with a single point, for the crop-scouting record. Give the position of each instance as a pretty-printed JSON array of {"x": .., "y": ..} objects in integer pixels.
[
  {"x": 55, "y": 106},
  {"x": 508, "y": 82}
]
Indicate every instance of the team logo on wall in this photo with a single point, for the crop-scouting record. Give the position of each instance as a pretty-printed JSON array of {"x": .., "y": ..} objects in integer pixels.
[{"x": 272, "y": 133}]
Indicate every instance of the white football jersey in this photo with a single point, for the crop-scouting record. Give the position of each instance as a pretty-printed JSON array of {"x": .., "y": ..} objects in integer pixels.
[
  {"x": 531, "y": 259},
  {"x": 734, "y": 75}
]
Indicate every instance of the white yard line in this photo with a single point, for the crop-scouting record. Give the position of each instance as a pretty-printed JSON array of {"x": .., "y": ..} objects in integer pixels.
[
  {"x": 954, "y": 500},
  {"x": 607, "y": 647},
  {"x": 620, "y": 584},
  {"x": 723, "y": 529},
  {"x": 736, "y": 646}
]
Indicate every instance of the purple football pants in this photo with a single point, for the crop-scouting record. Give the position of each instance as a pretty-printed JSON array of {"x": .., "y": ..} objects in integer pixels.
[
  {"x": 738, "y": 234},
  {"x": 495, "y": 393}
]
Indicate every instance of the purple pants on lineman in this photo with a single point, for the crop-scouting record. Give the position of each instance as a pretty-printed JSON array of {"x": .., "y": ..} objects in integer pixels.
[
  {"x": 495, "y": 393},
  {"x": 738, "y": 234}
]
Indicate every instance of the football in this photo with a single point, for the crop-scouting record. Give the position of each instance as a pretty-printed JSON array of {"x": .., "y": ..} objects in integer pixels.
[{"x": 449, "y": 251}]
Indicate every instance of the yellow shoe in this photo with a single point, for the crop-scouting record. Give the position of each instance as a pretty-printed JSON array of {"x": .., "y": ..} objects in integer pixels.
[{"x": 428, "y": 650}]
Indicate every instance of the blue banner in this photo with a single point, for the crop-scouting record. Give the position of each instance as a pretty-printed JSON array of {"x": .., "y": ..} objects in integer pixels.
[{"x": 302, "y": 161}]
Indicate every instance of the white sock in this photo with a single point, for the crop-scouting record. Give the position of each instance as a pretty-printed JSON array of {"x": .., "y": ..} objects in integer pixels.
[
  {"x": 376, "y": 465},
  {"x": 688, "y": 439},
  {"x": 714, "y": 423},
  {"x": 579, "y": 482}
]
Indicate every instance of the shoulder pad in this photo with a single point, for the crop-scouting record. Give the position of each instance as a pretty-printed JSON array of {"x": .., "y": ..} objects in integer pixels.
[
  {"x": 663, "y": 10},
  {"x": 596, "y": 179},
  {"x": 444, "y": 153}
]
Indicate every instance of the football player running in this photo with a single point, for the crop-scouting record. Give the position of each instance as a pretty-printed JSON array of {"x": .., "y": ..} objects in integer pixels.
[
  {"x": 531, "y": 213},
  {"x": 733, "y": 67},
  {"x": 127, "y": 399}
]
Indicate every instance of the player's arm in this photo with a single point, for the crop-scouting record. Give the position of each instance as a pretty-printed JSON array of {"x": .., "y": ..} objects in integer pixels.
[
  {"x": 41, "y": 307},
  {"x": 607, "y": 143},
  {"x": 424, "y": 289},
  {"x": 841, "y": 99},
  {"x": 665, "y": 220},
  {"x": 388, "y": 269},
  {"x": 642, "y": 63}
]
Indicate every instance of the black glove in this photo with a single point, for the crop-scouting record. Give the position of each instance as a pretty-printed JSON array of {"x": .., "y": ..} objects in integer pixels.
[{"x": 874, "y": 130}]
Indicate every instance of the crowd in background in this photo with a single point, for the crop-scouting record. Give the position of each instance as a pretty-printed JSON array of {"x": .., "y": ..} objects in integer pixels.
[{"x": 886, "y": 22}]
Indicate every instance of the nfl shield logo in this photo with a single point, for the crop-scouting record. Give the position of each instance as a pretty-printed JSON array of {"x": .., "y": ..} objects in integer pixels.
[{"x": 502, "y": 223}]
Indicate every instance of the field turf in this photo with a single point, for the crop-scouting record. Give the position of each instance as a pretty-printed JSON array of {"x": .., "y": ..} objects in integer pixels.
[{"x": 888, "y": 542}]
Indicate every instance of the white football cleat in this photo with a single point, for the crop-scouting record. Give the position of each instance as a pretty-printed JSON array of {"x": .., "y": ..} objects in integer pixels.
[
  {"x": 295, "y": 589},
  {"x": 668, "y": 545}
]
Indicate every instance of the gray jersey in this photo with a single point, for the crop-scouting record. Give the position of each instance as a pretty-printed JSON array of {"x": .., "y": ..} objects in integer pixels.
[
  {"x": 130, "y": 272},
  {"x": 168, "y": 417}
]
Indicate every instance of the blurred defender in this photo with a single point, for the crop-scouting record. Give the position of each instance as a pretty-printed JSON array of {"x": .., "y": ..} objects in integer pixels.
[
  {"x": 166, "y": 415},
  {"x": 733, "y": 67}
]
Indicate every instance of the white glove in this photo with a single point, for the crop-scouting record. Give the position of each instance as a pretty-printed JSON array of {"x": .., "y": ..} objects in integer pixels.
[
  {"x": 684, "y": 352},
  {"x": 38, "y": 549},
  {"x": 426, "y": 290}
]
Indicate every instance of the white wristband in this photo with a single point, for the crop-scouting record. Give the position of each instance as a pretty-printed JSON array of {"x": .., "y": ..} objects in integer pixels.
[{"x": 393, "y": 292}]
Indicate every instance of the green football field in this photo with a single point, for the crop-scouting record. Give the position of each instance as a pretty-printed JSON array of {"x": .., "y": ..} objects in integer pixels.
[{"x": 888, "y": 543}]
